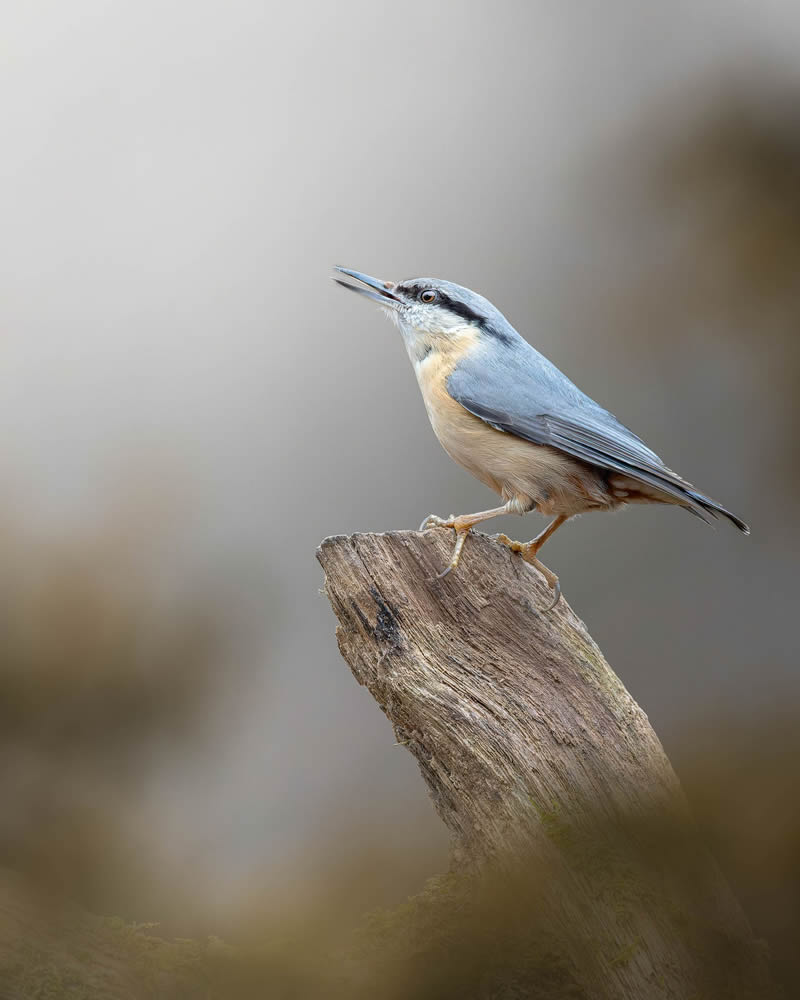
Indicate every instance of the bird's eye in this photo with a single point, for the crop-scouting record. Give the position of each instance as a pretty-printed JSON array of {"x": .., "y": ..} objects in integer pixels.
[{"x": 428, "y": 296}]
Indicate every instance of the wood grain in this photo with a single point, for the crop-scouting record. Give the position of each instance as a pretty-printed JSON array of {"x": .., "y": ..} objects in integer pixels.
[{"x": 532, "y": 748}]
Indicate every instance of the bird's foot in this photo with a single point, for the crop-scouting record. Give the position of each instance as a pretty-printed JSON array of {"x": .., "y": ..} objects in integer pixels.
[
  {"x": 510, "y": 543},
  {"x": 461, "y": 537},
  {"x": 528, "y": 552},
  {"x": 434, "y": 521},
  {"x": 461, "y": 526}
]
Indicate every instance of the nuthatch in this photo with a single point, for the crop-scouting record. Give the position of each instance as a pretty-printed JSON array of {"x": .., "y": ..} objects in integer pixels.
[{"x": 511, "y": 418}]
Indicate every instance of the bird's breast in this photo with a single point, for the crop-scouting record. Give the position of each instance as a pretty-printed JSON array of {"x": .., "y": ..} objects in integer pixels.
[{"x": 467, "y": 439}]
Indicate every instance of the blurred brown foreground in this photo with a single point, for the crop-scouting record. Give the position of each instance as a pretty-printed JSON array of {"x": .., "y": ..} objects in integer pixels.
[
  {"x": 487, "y": 937},
  {"x": 103, "y": 674}
]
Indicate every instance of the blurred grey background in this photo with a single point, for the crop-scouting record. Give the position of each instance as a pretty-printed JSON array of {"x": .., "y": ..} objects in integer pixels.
[{"x": 621, "y": 179}]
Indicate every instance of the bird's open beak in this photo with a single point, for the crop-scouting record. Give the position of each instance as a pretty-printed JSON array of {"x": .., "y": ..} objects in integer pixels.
[{"x": 383, "y": 289}]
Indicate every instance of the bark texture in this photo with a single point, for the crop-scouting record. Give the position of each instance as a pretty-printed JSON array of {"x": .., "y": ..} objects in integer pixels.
[{"x": 531, "y": 747}]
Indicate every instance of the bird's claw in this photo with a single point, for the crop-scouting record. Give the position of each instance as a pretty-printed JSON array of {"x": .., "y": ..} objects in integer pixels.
[
  {"x": 461, "y": 530},
  {"x": 556, "y": 599},
  {"x": 529, "y": 555}
]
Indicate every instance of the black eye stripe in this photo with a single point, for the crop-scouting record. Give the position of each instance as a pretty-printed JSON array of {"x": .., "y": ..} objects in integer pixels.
[{"x": 460, "y": 309}]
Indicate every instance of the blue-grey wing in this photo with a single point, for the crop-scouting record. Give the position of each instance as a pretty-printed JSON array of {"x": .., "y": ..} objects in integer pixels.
[{"x": 521, "y": 393}]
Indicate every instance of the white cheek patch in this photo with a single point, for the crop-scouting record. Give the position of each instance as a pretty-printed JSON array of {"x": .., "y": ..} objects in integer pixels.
[
  {"x": 428, "y": 331},
  {"x": 435, "y": 321}
]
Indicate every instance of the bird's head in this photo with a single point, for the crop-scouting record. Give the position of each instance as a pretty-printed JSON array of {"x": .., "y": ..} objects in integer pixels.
[{"x": 430, "y": 309}]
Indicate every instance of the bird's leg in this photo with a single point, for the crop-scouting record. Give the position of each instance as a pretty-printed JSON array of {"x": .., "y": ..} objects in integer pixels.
[
  {"x": 462, "y": 525},
  {"x": 528, "y": 551}
]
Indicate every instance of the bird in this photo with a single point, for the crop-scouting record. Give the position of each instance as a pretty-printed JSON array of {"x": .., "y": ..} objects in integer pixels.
[{"x": 510, "y": 417}]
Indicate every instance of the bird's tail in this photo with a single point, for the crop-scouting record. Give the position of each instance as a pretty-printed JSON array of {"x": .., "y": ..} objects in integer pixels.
[{"x": 708, "y": 506}]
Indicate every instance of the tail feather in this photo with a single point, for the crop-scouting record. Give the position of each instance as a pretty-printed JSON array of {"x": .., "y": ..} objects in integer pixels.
[
  {"x": 715, "y": 510},
  {"x": 683, "y": 493}
]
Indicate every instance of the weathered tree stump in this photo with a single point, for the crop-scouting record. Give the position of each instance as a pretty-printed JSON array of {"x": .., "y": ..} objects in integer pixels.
[{"x": 532, "y": 749}]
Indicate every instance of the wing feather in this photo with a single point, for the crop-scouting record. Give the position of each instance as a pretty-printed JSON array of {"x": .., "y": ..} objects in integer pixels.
[{"x": 523, "y": 394}]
